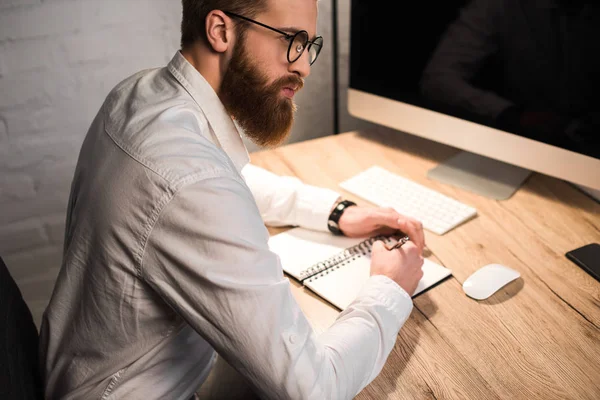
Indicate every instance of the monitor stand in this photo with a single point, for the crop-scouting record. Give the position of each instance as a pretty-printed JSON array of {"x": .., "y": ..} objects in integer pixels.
[{"x": 479, "y": 174}]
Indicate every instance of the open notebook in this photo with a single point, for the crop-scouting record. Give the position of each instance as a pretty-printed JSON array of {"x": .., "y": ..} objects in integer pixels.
[{"x": 336, "y": 267}]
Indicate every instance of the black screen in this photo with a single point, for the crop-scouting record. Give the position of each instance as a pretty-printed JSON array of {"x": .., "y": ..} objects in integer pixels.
[{"x": 528, "y": 67}]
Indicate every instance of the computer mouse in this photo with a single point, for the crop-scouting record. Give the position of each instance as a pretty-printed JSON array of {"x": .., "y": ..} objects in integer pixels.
[{"x": 487, "y": 280}]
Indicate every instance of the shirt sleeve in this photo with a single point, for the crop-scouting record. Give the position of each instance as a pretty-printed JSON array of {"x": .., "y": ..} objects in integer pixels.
[
  {"x": 464, "y": 48},
  {"x": 208, "y": 258},
  {"x": 285, "y": 200}
]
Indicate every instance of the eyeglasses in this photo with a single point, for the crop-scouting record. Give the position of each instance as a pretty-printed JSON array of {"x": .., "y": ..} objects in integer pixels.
[{"x": 298, "y": 41}]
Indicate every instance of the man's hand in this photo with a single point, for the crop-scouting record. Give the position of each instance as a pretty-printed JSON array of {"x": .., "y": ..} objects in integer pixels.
[
  {"x": 403, "y": 265},
  {"x": 358, "y": 221}
]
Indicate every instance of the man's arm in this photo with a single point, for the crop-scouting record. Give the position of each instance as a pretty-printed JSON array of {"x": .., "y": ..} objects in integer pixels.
[
  {"x": 285, "y": 200},
  {"x": 464, "y": 48},
  {"x": 208, "y": 258}
]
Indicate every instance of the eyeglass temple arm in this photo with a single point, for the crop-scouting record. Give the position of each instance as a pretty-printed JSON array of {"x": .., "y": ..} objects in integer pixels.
[{"x": 287, "y": 35}]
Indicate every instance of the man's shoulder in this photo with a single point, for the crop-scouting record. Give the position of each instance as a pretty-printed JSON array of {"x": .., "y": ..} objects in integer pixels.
[{"x": 156, "y": 122}]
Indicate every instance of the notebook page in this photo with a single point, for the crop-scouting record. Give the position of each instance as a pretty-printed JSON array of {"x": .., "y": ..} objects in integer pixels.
[
  {"x": 341, "y": 285},
  {"x": 300, "y": 248}
]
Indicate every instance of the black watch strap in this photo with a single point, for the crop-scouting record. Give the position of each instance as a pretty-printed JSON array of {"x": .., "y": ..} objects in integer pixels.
[{"x": 334, "y": 217}]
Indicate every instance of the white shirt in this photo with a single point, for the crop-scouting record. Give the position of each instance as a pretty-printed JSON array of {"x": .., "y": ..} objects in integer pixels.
[{"x": 166, "y": 260}]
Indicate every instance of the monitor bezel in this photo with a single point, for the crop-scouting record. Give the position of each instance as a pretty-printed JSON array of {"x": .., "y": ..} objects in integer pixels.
[{"x": 469, "y": 136}]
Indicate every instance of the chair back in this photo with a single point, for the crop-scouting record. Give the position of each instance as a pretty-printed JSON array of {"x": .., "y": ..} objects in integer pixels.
[{"x": 19, "y": 369}]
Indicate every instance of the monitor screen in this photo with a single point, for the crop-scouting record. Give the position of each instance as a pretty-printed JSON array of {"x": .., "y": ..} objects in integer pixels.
[{"x": 524, "y": 67}]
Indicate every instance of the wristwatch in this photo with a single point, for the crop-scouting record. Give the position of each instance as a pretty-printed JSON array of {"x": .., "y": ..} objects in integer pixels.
[{"x": 334, "y": 217}]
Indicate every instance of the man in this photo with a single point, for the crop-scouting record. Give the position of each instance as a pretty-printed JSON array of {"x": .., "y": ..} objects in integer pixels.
[
  {"x": 527, "y": 67},
  {"x": 166, "y": 257}
]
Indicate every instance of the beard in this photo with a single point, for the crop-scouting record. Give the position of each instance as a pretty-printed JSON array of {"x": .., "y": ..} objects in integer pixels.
[{"x": 257, "y": 106}]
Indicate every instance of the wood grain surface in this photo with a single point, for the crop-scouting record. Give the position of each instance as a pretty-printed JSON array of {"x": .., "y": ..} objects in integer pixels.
[{"x": 536, "y": 338}]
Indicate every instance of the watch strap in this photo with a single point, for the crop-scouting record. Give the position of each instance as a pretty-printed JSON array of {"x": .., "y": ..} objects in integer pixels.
[{"x": 336, "y": 213}]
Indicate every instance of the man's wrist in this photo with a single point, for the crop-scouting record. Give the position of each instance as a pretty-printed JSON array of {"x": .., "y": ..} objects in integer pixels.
[{"x": 335, "y": 215}]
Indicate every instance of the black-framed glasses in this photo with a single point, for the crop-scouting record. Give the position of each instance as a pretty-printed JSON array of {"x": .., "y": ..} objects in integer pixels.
[{"x": 298, "y": 41}]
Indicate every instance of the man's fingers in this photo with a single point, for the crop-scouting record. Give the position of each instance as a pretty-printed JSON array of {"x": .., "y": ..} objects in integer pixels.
[
  {"x": 414, "y": 230},
  {"x": 418, "y": 232},
  {"x": 389, "y": 220},
  {"x": 378, "y": 245}
]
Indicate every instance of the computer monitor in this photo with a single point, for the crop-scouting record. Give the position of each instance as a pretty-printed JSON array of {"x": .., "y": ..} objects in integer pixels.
[{"x": 514, "y": 84}]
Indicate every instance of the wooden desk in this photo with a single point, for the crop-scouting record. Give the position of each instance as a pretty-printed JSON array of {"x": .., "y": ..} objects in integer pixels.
[{"x": 537, "y": 338}]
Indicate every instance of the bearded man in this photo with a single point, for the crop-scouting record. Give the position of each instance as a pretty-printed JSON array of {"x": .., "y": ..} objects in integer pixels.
[{"x": 166, "y": 259}]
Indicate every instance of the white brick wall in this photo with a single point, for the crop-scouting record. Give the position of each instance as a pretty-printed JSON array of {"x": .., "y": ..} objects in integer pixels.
[{"x": 58, "y": 61}]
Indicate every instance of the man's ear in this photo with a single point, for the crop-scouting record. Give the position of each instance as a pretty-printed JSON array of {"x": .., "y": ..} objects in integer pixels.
[{"x": 218, "y": 30}]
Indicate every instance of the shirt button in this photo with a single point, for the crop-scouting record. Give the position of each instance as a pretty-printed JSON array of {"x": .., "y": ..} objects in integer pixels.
[{"x": 293, "y": 338}]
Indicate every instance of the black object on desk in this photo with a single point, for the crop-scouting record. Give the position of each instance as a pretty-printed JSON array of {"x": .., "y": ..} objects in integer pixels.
[{"x": 588, "y": 258}]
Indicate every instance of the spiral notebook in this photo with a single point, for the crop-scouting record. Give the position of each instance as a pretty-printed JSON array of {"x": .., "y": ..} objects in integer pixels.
[{"x": 336, "y": 267}]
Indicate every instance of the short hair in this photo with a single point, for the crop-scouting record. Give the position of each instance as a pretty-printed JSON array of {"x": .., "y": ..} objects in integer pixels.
[{"x": 193, "y": 22}]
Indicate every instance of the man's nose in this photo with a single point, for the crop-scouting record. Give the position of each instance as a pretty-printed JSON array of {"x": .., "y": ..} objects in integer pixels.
[{"x": 302, "y": 65}]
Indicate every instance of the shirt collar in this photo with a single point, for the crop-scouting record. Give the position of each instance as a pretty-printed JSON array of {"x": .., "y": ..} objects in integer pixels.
[{"x": 204, "y": 95}]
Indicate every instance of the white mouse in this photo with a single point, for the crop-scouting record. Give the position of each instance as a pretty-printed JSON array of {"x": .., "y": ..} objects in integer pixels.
[{"x": 487, "y": 280}]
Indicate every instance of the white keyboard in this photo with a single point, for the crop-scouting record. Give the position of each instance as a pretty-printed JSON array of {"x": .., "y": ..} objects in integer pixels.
[{"x": 438, "y": 213}]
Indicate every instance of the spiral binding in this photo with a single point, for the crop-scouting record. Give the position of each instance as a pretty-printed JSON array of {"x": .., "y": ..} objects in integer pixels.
[{"x": 358, "y": 250}]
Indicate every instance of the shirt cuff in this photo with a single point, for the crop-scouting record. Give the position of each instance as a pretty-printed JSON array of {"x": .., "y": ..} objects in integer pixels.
[
  {"x": 390, "y": 294},
  {"x": 314, "y": 205}
]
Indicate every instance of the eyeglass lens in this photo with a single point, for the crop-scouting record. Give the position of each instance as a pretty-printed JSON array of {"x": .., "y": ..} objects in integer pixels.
[
  {"x": 298, "y": 45},
  {"x": 315, "y": 49}
]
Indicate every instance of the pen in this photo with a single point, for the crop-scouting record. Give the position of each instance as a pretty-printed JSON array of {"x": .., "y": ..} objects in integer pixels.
[{"x": 399, "y": 244}]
